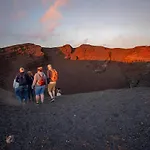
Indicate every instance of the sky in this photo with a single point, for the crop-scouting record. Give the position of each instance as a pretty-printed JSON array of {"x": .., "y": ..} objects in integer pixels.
[{"x": 50, "y": 23}]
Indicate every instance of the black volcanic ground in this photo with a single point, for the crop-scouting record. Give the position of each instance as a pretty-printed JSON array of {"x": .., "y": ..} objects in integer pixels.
[
  {"x": 110, "y": 120},
  {"x": 106, "y": 120}
]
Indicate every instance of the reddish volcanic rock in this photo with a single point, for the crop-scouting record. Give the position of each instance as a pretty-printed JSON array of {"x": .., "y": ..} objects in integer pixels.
[
  {"x": 89, "y": 52},
  {"x": 139, "y": 54},
  {"x": 24, "y": 49},
  {"x": 67, "y": 50},
  {"x": 85, "y": 52}
]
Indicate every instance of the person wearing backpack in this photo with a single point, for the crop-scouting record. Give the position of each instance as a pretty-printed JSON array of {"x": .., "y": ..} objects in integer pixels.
[
  {"x": 16, "y": 89},
  {"x": 22, "y": 79},
  {"x": 39, "y": 84},
  {"x": 30, "y": 90},
  {"x": 52, "y": 77}
]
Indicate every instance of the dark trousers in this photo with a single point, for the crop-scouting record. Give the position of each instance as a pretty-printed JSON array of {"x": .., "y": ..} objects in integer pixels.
[
  {"x": 30, "y": 93},
  {"x": 17, "y": 93},
  {"x": 23, "y": 90}
]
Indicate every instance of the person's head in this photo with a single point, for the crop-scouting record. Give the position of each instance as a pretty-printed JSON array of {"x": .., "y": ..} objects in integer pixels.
[
  {"x": 49, "y": 66},
  {"x": 30, "y": 73},
  {"x": 21, "y": 69},
  {"x": 39, "y": 69}
]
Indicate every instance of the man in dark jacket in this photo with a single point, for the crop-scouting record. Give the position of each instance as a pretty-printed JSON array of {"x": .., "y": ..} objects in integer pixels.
[{"x": 23, "y": 79}]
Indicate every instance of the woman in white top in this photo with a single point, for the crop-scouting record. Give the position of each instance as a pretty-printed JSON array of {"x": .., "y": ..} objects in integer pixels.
[{"x": 16, "y": 88}]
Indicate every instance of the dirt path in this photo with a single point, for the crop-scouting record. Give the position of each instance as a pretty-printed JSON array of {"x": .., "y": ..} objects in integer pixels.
[{"x": 107, "y": 120}]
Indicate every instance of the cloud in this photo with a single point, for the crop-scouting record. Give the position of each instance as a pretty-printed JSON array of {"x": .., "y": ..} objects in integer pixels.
[
  {"x": 85, "y": 41},
  {"x": 52, "y": 27},
  {"x": 19, "y": 11},
  {"x": 128, "y": 41},
  {"x": 15, "y": 3},
  {"x": 53, "y": 12},
  {"x": 49, "y": 21},
  {"x": 19, "y": 15},
  {"x": 45, "y": 2},
  {"x": 51, "y": 18}
]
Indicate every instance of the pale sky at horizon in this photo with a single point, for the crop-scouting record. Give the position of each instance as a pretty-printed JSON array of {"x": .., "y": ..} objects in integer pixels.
[{"x": 110, "y": 23}]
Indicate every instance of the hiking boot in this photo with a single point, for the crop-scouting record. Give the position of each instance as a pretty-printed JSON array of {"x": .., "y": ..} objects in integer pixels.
[{"x": 52, "y": 100}]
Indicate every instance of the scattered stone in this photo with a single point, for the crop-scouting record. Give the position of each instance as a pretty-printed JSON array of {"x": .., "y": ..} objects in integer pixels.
[
  {"x": 10, "y": 139},
  {"x": 68, "y": 141}
]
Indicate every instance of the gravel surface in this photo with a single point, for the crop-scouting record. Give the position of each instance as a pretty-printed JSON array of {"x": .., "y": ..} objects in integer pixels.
[{"x": 106, "y": 120}]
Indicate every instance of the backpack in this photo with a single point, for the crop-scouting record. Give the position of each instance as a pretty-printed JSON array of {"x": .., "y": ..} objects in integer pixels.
[
  {"x": 41, "y": 81},
  {"x": 54, "y": 75},
  {"x": 15, "y": 84},
  {"x": 22, "y": 79},
  {"x": 31, "y": 78}
]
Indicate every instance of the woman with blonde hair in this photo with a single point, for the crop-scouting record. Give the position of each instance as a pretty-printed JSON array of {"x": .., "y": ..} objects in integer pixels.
[
  {"x": 30, "y": 90},
  {"x": 39, "y": 83}
]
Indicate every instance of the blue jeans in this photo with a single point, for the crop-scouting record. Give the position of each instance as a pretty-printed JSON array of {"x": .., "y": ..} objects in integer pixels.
[
  {"x": 23, "y": 90},
  {"x": 17, "y": 93}
]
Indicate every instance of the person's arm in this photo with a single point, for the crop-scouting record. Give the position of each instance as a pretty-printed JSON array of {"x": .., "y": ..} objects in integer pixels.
[
  {"x": 32, "y": 78},
  {"x": 46, "y": 80},
  {"x": 34, "y": 81},
  {"x": 48, "y": 76},
  {"x": 57, "y": 75},
  {"x": 47, "y": 73},
  {"x": 17, "y": 78},
  {"x": 14, "y": 83}
]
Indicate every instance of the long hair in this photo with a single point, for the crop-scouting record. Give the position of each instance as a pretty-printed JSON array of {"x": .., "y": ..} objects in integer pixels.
[{"x": 30, "y": 73}]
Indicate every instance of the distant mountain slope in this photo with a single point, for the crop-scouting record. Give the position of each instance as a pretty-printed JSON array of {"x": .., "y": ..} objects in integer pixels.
[
  {"x": 74, "y": 76},
  {"x": 89, "y": 52}
]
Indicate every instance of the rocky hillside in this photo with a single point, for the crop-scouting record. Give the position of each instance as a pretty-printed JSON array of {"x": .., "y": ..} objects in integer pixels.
[
  {"x": 22, "y": 49},
  {"x": 74, "y": 76},
  {"x": 89, "y": 52}
]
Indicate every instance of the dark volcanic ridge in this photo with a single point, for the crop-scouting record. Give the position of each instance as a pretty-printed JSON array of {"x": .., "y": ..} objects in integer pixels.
[
  {"x": 97, "y": 70},
  {"x": 106, "y": 120},
  {"x": 88, "y": 52}
]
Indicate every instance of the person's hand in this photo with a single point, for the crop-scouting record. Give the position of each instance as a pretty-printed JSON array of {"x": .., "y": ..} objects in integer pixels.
[{"x": 32, "y": 86}]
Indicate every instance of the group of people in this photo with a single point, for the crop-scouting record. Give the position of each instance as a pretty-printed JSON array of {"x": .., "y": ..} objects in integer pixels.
[{"x": 32, "y": 88}]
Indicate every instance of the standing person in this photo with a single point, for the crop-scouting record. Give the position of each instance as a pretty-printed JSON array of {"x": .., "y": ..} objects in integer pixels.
[
  {"x": 30, "y": 90},
  {"x": 39, "y": 83},
  {"x": 22, "y": 78},
  {"x": 16, "y": 88},
  {"x": 52, "y": 77}
]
